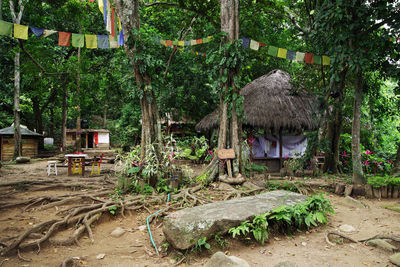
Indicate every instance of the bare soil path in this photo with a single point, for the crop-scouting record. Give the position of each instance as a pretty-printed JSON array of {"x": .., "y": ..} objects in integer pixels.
[{"x": 306, "y": 248}]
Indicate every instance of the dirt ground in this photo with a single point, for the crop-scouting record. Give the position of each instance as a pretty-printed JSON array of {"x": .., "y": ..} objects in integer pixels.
[{"x": 307, "y": 248}]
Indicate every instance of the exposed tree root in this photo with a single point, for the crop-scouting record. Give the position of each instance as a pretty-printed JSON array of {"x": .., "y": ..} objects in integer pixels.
[
  {"x": 77, "y": 233},
  {"x": 233, "y": 181},
  {"x": 393, "y": 238},
  {"x": 338, "y": 234},
  {"x": 82, "y": 215},
  {"x": 22, "y": 258},
  {"x": 69, "y": 261}
]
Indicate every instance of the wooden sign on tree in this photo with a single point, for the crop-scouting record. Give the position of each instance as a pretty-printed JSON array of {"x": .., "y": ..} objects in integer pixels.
[{"x": 227, "y": 154}]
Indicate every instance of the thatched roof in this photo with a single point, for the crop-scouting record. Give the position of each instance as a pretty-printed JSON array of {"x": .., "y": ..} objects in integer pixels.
[
  {"x": 270, "y": 104},
  {"x": 24, "y": 131}
]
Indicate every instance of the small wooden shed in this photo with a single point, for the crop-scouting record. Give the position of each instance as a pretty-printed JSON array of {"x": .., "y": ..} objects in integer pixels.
[
  {"x": 91, "y": 138},
  {"x": 30, "y": 143}
]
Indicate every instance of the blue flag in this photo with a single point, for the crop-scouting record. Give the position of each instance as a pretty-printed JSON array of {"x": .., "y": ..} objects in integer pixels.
[
  {"x": 246, "y": 42},
  {"x": 103, "y": 41},
  {"x": 121, "y": 40},
  {"x": 291, "y": 55},
  {"x": 37, "y": 31}
]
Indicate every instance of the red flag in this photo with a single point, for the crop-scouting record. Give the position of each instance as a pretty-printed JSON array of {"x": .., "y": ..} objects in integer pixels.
[
  {"x": 199, "y": 41},
  {"x": 112, "y": 22},
  {"x": 64, "y": 38},
  {"x": 91, "y": 1},
  {"x": 262, "y": 44},
  {"x": 309, "y": 58}
]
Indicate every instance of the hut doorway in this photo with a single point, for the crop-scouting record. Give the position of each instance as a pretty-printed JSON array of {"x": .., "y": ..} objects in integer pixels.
[
  {"x": 90, "y": 137},
  {"x": 87, "y": 140}
]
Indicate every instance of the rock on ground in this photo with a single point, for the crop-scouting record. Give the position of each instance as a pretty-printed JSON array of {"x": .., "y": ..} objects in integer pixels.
[
  {"x": 183, "y": 228},
  {"x": 251, "y": 186},
  {"x": 349, "y": 201},
  {"x": 395, "y": 259},
  {"x": 345, "y": 228},
  {"x": 382, "y": 244},
  {"x": 219, "y": 259},
  {"x": 117, "y": 232},
  {"x": 22, "y": 159},
  {"x": 225, "y": 187},
  {"x": 286, "y": 264}
]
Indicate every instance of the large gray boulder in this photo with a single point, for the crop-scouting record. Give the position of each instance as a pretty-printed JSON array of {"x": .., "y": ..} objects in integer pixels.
[
  {"x": 219, "y": 259},
  {"x": 395, "y": 259},
  {"x": 183, "y": 228}
]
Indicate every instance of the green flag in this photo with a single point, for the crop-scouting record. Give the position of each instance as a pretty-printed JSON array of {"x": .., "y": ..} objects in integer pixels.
[
  {"x": 273, "y": 51},
  {"x": 78, "y": 40},
  {"x": 6, "y": 28}
]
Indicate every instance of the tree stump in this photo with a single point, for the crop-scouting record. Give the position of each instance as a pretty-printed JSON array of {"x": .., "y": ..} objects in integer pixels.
[
  {"x": 368, "y": 191},
  {"x": 377, "y": 192},
  {"x": 396, "y": 192},
  {"x": 339, "y": 189},
  {"x": 384, "y": 192},
  {"x": 348, "y": 190}
]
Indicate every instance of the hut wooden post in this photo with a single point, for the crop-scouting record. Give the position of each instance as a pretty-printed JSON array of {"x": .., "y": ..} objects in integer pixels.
[{"x": 280, "y": 148}]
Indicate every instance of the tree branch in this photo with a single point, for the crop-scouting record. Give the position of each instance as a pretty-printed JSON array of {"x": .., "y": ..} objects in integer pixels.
[
  {"x": 199, "y": 12},
  {"x": 181, "y": 37},
  {"x": 375, "y": 27},
  {"x": 21, "y": 45}
]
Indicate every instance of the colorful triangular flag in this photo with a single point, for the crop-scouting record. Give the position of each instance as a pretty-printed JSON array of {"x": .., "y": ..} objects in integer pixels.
[{"x": 37, "y": 31}]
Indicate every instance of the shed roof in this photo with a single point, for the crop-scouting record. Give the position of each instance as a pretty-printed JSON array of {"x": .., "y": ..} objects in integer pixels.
[
  {"x": 24, "y": 131},
  {"x": 88, "y": 130}
]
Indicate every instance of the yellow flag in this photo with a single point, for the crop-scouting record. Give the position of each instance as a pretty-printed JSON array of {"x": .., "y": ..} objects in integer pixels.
[
  {"x": 21, "y": 31},
  {"x": 282, "y": 52},
  {"x": 100, "y": 3},
  {"x": 326, "y": 60},
  {"x": 181, "y": 43},
  {"x": 91, "y": 40}
]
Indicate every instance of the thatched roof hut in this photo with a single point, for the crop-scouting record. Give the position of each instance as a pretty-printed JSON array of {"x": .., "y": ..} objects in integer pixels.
[{"x": 270, "y": 103}]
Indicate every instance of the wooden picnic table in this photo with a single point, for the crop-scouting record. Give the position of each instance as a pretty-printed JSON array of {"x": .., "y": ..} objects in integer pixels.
[{"x": 72, "y": 157}]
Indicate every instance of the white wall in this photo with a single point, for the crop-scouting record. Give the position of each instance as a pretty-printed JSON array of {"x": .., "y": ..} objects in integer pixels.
[{"x": 104, "y": 138}]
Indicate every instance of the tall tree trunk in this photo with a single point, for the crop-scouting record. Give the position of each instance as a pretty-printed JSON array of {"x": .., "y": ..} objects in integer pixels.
[
  {"x": 17, "y": 82},
  {"x": 396, "y": 164},
  {"x": 334, "y": 125},
  {"x": 17, "y": 127},
  {"x": 105, "y": 116},
  {"x": 151, "y": 134},
  {"x": 358, "y": 175},
  {"x": 39, "y": 119},
  {"x": 64, "y": 119},
  {"x": 51, "y": 126},
  {"x": 78, "y": 142}
]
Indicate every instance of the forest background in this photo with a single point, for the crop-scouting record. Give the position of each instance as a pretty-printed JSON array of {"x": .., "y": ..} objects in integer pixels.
[{"x": 98, "y": 85}]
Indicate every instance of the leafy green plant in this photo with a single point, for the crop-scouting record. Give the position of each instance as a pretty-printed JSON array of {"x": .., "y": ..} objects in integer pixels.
[
  {"x": 163, "y": 186},
  {"x": 242, "y": 229},
  {"x": 312, "y": 212},
  {"x": 201, "y": 243},
  {"x": 259, "y": 228},
  {"x": 380, "y": 181},
  {"x": 221, "y": 242},
  {"x": 113, "y": 210}
]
